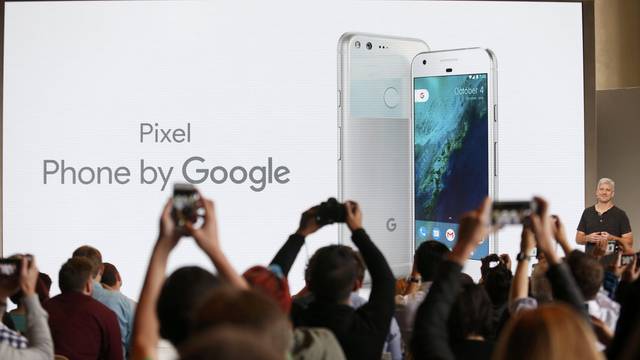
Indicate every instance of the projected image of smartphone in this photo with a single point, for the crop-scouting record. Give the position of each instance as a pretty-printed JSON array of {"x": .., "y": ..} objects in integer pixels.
[
  {"x": 454, "y": 131},
  {"x": 511, "y": 212},
  {"x": 374, "y": 110}
]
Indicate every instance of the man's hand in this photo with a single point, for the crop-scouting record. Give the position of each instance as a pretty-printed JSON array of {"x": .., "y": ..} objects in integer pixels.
[
  {"x": 594, "y": 237},
  {"x": 560, "y": 234},
  {"x": 602, "y": 331},
  {"x": 631, "y": 272},
  {"x": 616, "y": 267},
  {"x": 505, "y": 259},
  {"x": 474, "y": 226},
  {"x": 486, "y": 264},
  {"x": 28, "y": 275},
  {"x": 169, "y": 235},
  {"x": 206, "y": 236},
  {"x": 542, "y": 229},
  {"x": 308, "y": 223},
  {"x": 354, "y": 215},
  {"x": 527, "y": 241}
]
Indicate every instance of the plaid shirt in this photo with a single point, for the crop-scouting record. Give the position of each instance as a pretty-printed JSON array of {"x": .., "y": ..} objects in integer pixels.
[{"x": 13, "y": 338}]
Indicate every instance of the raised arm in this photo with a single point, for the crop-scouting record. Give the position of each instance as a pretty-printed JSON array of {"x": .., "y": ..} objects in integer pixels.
[
  {"x": 430, "y": 335},
  {"x": 207, "y": 239},
  {"x": 146, "y": 327},
  {"x": 287, "y": 254},
  {"x": 520, "y": 284},
  {"x": 381, "y": 301}
]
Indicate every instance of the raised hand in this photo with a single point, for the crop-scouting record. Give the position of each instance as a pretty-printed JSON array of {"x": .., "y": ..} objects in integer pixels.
[{"x": 354, "y": 215}]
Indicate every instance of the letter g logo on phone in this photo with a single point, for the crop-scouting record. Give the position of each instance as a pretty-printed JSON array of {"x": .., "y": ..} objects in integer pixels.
[{"x": 422, "y": 95}]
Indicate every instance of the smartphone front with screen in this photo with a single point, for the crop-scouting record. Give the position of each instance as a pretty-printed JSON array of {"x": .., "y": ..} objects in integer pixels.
[{"x": 454, "y": 132}]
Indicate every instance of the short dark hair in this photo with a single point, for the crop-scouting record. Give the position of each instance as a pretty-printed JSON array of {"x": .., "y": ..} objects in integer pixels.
[
  {"x": 94, "y": 256},
  {"x": 110, "y": 274},
  {"x": 251, "y": 310},
  {"x": 428, "y": 258},
  {"x": 332, "y": 272},
  {"x": 74, "y": 274},
  {"x": 497, "y": 283},
  {"x": 182, "y": 293},
  {"x": 471, "y": 314},
  {"x": 587, "y": 272}
]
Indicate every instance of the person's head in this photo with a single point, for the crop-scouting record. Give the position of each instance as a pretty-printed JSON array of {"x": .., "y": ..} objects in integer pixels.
[
  {"x": 94, "y": 256},
  {"x": 497, "y": 284},
  {"x": 76, "y": 276},
  {"x": 587, "y": 272},
  {"x": 227, "y": 343},
  {"x": 250, "y": 310},
  {"x": 471, "y": 313},
  {"x": 605, "y": 190},
  {"x": 332, "y": 273},
  {"x": 428, "y": 258},
  {"x": 183, "y": 291},
  {"x": 550, "y": 332},
  {"x": 111, "y": 277},
  {"x": 271, "y": 284}
]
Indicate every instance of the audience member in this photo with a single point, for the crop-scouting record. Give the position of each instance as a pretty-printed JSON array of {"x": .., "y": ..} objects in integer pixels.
[
  {"x": 588, "y": 273},
  {"x": 19, "y": 314},
  {"x": 333, "y": 275},
  {"x": 166, "y": 308},
  {"x": 82, "y": 327},
  {"x": 426, "y": 262},
  {"x": 250, "y": 310},
  {"x": 550, "y": 332},
  {"x": 470, "y": 324},
  {"x": 115, "y": 301},
  {"x": 37, "y": 345},
  {"x": 112, "y": 281},
  {"x": 228, "y": 343}
]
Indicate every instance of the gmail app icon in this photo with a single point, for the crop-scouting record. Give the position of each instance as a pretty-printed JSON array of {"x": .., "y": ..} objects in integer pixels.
[{"x": 450, "y": 234}]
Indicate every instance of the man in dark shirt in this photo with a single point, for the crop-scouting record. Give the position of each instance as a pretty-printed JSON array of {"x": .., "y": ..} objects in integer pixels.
[
  {"x": 604, "y": 221},
  {"x": 332, "y": 276},
  {"x": 81, "y": 327}
]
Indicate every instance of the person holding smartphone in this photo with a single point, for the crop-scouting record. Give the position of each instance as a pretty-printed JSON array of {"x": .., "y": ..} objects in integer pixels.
[
  {"x": 604, "y": 222},
  {"x": 40, "y": 344}
]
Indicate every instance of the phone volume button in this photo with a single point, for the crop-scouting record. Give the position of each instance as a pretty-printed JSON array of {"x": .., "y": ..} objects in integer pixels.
[
  {"x": 339, "y": 143},
  {"x": 339, "y": 99},
  {"x": 495, "y": 112}
]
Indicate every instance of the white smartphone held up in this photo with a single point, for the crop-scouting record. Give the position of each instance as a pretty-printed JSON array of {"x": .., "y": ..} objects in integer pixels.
[
  {"x": 374, "y": 110},
  {"x": 455, "y": 141}
]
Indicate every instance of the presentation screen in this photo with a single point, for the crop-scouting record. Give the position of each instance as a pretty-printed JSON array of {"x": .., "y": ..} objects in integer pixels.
[{"x": 108, "y": 104}]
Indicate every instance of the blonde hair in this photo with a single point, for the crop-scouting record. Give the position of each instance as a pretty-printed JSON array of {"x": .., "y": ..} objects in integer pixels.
[{"x": 550, "y": 332}]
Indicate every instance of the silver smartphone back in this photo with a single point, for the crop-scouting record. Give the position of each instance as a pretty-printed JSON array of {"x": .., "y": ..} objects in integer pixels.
[{"x": 374, "y": 156}]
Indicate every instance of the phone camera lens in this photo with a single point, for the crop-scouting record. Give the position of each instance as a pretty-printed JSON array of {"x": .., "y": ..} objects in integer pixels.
[
  {"x": 357, "y": 44},
  {"x": 369, "y": 46},
  {"x": 424, "y": 62}
]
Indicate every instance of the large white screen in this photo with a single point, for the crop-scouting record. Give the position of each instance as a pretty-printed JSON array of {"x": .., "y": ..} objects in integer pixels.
[{"x": 254, "y": 80}]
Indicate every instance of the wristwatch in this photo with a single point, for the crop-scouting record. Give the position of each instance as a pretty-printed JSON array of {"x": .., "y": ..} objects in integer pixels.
[{"x": 522, "y": 256}]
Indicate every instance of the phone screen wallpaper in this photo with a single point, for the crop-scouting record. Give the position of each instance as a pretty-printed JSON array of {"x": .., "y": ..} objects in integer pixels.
[{"x": 451, "y": 154}]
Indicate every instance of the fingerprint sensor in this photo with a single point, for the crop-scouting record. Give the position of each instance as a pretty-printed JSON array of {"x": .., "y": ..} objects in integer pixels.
[{"x": 391, "y": 97}]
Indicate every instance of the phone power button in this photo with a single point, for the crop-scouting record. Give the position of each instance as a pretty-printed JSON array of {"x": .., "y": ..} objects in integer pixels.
[
  {"x": 339, "y": 143},
  {"x": 339, "y": 99}
]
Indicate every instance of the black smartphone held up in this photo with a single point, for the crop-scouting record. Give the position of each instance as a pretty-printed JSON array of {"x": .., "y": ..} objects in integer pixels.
[
  {"x": 10, "y": 273},
  {"x": 186, "y": 203},
  {"x": 511, "y": 212}
]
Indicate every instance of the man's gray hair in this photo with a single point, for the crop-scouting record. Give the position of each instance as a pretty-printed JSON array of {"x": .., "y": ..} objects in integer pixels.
[{"x": 607, "y": 181}]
